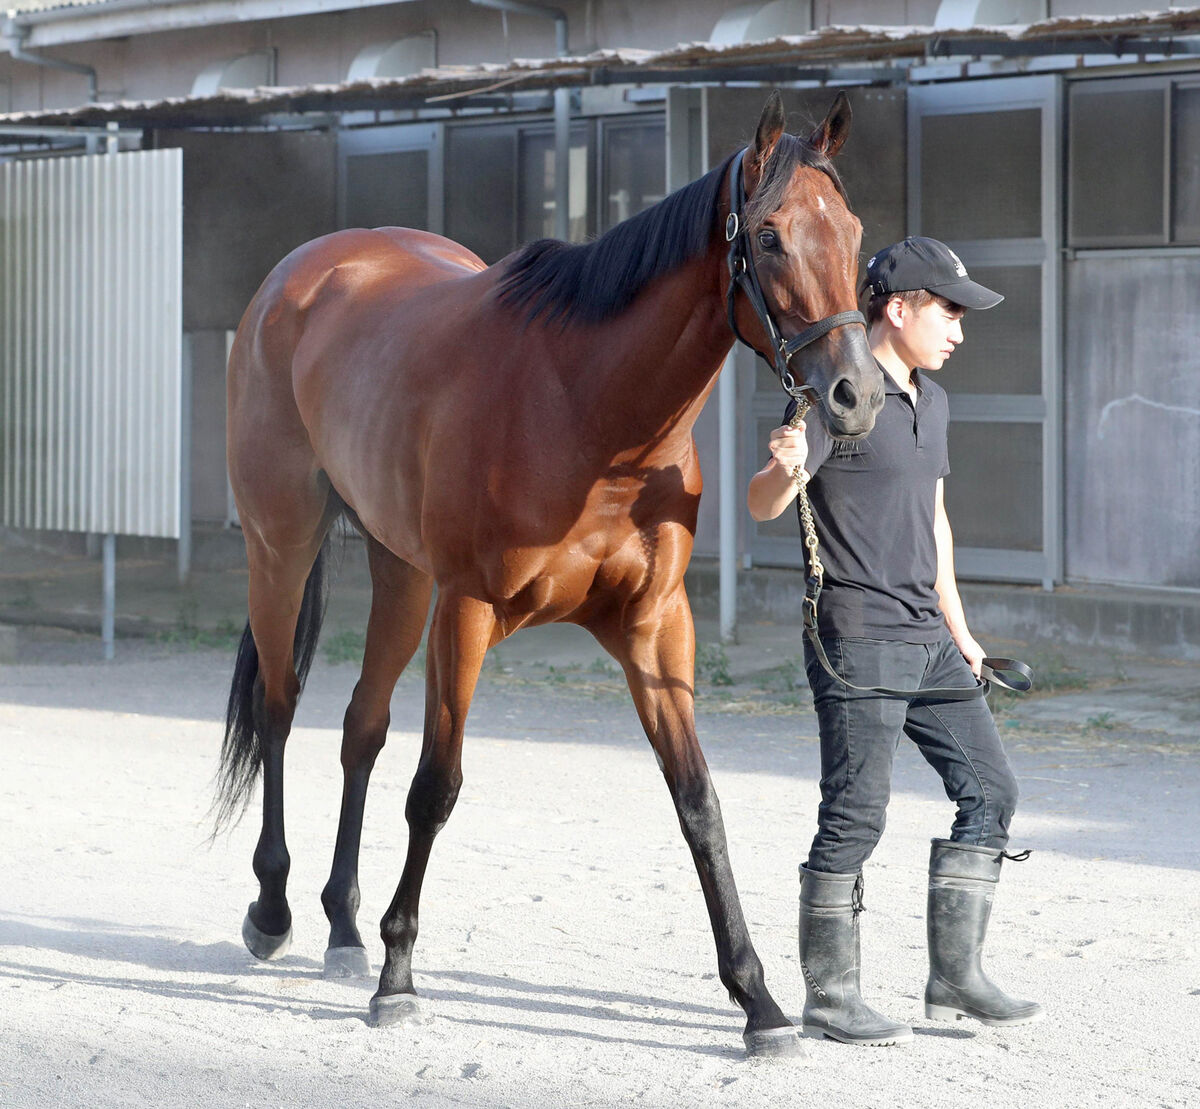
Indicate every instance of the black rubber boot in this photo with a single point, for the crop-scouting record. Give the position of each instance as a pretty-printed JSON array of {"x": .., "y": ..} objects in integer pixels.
[
  {"x": 962, "y": 882},
  {"x": 829, "y": 908}
]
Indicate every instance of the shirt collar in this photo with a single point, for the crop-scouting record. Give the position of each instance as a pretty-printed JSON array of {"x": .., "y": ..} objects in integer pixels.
[{"x": 889, "y": 382}]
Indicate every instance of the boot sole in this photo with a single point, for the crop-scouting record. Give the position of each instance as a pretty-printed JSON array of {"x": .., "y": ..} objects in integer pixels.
[
  {"x": 819, "y": 1031},
  {"x": 950, "y": 1013}
]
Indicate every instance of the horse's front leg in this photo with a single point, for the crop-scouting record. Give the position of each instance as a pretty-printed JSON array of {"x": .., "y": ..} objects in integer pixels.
[
  {"x": 657, "y": 651},
  {"x": 459, "y": 637}
]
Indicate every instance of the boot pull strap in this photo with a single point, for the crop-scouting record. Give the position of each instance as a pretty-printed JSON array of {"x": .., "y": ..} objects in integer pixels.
[
  {"x": 1019, "y": 857},
  {"x": 856, "y": 896}
]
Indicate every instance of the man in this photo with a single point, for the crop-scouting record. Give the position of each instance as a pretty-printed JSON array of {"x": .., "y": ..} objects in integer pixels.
[{"x": 890, "y": 615}]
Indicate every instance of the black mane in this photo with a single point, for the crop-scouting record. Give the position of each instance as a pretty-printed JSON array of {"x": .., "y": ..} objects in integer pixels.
[{"x": 592, "y": 282}]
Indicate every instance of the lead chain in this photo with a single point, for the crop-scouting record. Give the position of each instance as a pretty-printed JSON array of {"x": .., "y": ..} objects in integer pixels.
[{"x": 807, "y": 524}]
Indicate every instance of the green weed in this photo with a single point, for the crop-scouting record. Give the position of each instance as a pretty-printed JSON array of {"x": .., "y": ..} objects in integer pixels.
[
  {"x": 345, "y": 646},
  {"x": 225, "y": 635},
  {"x": 712, "y": 664}
]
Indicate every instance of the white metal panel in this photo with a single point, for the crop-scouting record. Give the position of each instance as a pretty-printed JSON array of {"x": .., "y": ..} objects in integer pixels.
[{"x": 90, "y": 348}]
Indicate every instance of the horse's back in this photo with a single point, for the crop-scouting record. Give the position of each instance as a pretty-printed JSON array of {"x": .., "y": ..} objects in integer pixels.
[
  {"x": 398, "y": 257},
  {"x": 315, "y": 293}
]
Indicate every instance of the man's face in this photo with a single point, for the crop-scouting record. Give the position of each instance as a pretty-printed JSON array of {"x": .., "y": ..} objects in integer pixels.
[{"x": 929, "y": 334}]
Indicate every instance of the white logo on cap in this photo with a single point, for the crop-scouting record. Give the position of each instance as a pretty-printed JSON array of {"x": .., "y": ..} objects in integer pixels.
[
  {"x": 872, "y": 261},
  {"x": 959, "y": 268}
]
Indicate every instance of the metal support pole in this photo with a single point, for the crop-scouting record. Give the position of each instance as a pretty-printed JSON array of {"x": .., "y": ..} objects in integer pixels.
[
  {"x": 183, "y": 548},
  {"x": 562, "y": 164},
  {"x": 728, "y": 493},
  {"x": 108, "y": 617}
]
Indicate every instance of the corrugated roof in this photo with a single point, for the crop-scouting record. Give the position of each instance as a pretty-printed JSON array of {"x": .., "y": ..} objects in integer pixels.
[
  {"x": 774, "y": 59},
  {"x": 22, "y": 7}
]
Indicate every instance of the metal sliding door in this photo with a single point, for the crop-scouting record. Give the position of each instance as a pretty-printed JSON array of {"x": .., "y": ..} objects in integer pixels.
[
  {"x": 391, "y": 177},
  {"x": 983, "y": 176}
]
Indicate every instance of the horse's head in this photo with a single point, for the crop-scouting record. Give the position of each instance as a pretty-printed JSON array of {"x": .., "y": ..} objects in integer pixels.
[{"x": 804, "y": 242}]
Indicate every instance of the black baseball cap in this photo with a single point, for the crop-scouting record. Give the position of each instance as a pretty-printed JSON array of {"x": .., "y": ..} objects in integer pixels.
[{"x": 921, "y": 263}]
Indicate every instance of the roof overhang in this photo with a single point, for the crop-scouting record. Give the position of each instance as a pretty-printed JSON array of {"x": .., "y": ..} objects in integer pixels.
[{"x": 832, "y": 54}]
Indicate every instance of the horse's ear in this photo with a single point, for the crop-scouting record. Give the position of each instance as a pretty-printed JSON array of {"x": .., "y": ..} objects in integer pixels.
[
  {"x": 770, "y": 127},
  {"x": 829, "y": 135}
]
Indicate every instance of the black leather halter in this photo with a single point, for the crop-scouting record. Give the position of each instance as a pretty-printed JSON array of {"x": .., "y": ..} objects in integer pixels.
[{"x": 743, "y": 275}]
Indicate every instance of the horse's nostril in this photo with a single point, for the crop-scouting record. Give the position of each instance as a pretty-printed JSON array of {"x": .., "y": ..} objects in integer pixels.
[{"x": 844, "y": 395}]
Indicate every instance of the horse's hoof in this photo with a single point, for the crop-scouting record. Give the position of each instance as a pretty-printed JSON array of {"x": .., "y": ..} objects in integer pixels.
[
  {"x": 774, "y": 1043},
  {"x": 347, "y": 962},
  {"x": 260, "y": 944},
  {"x": 397, "y": 1008}
]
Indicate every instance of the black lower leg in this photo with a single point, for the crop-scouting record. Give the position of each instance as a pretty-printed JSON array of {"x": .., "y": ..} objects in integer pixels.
[
  {"x": 430, "y": 802},
  {"x": 340, "y": 897},
  {"x": 362, "y": 741},
  {"x": 737, "y": 962},
  {"x": 270, "y": 913}
]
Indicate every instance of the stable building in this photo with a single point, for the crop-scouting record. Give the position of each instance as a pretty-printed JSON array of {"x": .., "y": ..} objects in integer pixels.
[{"x": 1057, "y": 152}]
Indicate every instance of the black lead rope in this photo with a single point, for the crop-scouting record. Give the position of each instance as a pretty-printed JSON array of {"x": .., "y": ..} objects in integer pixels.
[{"x": 1008, "y": 673}]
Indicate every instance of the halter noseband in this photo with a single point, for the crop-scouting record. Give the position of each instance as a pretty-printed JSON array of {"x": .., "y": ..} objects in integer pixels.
[{"x": 742, "y": 274}]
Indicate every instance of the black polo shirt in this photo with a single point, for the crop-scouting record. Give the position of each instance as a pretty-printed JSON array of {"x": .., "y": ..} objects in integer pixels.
[{"x": 873, "y": 503}]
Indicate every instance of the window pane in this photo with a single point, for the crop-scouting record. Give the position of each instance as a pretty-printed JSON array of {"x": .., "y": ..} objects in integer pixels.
[
  {"x": 1002, "y": 351},
  {"x": 388, "y": 190},
  {"x": 481, "y": 164},
  {"x": 1185, "y": 170},
  {"x": 1116, "y": 166},
  {"x": 537, "y": 200},
  {"x": 981, "y": 175},
  {"x": 994, "y": 491},
  {"x": 635, "y": 168}
]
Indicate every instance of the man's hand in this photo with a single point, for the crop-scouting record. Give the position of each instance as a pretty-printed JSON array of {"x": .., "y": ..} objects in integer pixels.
[
  {"x": 971, "y": 651},
  {"x": 788, "y": 446}
]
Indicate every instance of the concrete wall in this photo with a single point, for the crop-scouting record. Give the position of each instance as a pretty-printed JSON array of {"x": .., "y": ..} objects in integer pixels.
[
  {"x": 1133, "y": 421},
  {"x": 247, "y": 201}
]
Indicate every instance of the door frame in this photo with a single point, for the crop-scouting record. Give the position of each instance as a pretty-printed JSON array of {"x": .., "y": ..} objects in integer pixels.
[
  {"x": 1044, "y": 92},
  {"x": 394, "y": 139}
]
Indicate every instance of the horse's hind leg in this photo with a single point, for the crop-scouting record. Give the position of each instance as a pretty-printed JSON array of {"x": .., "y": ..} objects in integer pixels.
[
  {"x": 460, "y": 635},
  {"x": 278, "y": 575},
  {"x": 657, "y": 649},
  {"x": 399, "y": 603}
]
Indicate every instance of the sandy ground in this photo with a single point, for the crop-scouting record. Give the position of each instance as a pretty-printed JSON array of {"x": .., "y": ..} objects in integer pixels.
[{"x": 564, "y": 952}]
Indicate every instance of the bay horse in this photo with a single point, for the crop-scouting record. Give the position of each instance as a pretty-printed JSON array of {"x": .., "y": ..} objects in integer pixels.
[{"x": 520, "y": 436}]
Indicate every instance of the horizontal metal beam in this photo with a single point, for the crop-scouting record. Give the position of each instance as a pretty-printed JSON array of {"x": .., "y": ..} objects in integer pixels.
[
  {"x": 1116, "y": 45},
  {"x": 33, "y": 131}
]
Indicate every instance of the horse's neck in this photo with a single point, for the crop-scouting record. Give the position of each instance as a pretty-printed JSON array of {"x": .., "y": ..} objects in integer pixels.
[{"x": 649, "y": 370}]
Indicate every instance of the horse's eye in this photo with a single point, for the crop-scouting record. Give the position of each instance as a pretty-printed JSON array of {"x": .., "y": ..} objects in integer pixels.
[{"x": 768, "y": 240}]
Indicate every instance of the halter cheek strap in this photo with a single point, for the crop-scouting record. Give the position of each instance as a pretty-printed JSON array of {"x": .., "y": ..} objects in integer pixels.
[{"x": 743, "y": 275}]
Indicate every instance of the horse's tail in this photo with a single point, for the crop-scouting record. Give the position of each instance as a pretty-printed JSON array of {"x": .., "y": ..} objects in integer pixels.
[{"x": 241, "y": 751}]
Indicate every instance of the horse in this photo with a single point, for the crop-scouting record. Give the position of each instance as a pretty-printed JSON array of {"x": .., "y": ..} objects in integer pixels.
[{"x": 520, "y": 436}]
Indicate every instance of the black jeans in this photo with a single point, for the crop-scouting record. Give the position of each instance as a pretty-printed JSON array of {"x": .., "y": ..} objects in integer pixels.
[{"x": 861, "y": 731}]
